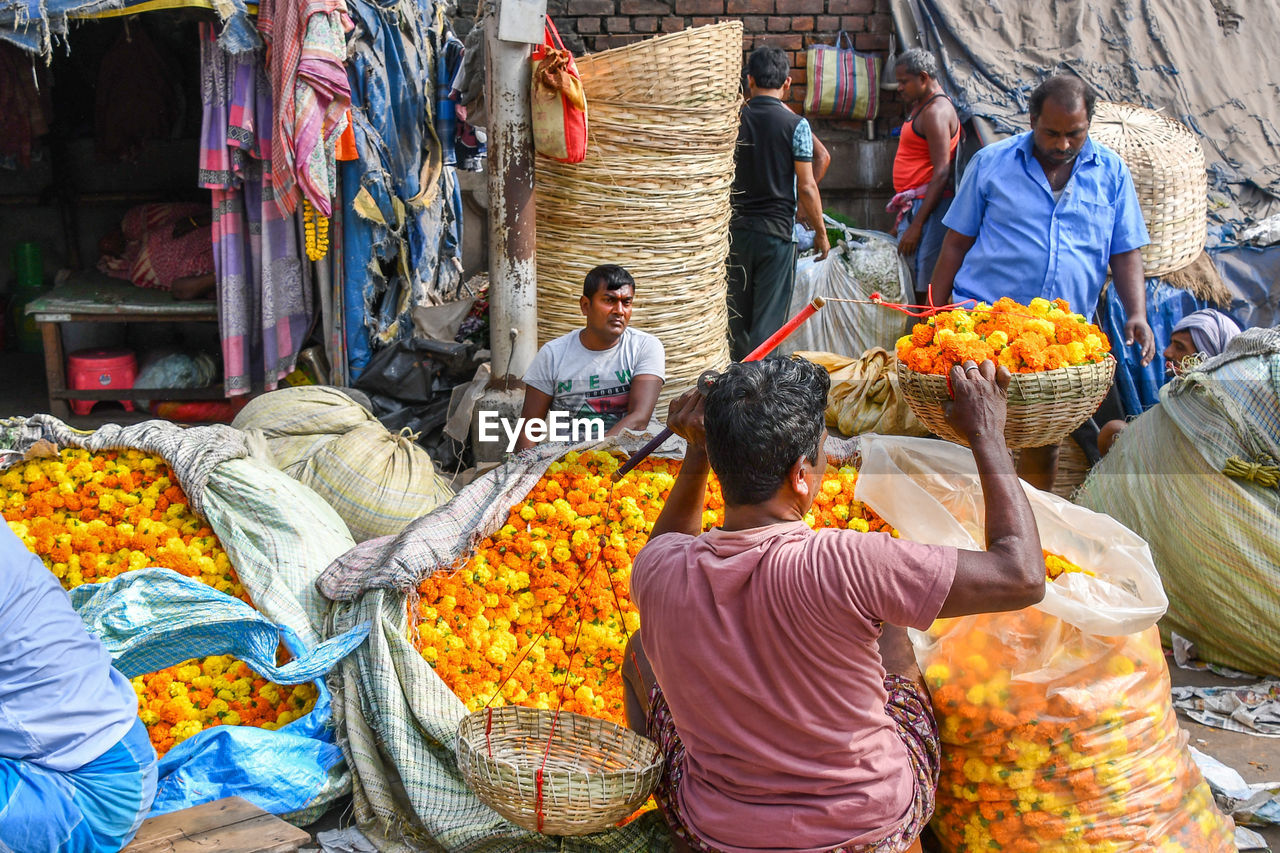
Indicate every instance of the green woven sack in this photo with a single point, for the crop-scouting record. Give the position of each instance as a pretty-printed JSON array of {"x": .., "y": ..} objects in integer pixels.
[
  {"x": 296, "y": 422},
  {"x": 1195, "y": 477},
  {"x": 377, "y": 482}
]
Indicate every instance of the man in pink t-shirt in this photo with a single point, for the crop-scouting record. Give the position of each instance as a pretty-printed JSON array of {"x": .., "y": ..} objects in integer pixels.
[{"x": 782, "y": 688}]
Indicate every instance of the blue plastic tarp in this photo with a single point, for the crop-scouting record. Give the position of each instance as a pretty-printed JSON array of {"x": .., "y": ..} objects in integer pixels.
[
  {"x": 33, "y": 25},
  {"x": 1139, "y": 386},
  {"x": 1253, "y": 276},
  {"x": 154, "y": 618}
]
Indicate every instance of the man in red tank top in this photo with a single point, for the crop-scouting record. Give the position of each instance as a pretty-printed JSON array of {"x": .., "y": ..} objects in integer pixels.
[{"x": 922, "y": 166}]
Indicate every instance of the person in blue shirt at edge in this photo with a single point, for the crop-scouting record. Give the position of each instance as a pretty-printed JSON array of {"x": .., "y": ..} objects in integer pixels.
[
  {"x": 1042, "y": 214},
  {"x": 77, "y": 770}
]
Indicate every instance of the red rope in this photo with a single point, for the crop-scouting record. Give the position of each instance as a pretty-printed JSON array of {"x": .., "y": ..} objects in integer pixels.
[
  {"x": 529, "y": 648},
  {"x": 913, "y": 310},
  {"x": 555, "y": 719},
  {"x": 488, "y": 727}
]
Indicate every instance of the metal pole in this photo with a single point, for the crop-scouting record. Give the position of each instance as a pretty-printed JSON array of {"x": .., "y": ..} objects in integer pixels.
[
  {"x": 513, "y": 305},
  {"x": 513, "y": 302}
]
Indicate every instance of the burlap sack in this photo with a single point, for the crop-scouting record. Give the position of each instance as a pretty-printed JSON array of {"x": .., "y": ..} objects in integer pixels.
[{"x": 864, "y": 395}]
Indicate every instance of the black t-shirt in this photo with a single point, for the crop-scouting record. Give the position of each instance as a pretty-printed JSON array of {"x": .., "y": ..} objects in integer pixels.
[{"x": 764, "y": 184}]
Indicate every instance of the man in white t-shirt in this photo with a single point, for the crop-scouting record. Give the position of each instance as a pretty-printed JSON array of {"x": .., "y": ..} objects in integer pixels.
[{"x": 606, "y": 371}]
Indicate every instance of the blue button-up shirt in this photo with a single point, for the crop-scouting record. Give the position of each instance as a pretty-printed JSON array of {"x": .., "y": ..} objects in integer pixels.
[{"x": 1030, "y": 245}]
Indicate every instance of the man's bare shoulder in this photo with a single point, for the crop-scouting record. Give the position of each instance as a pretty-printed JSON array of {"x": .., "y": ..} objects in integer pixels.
[{"x": 939, "y": 114}]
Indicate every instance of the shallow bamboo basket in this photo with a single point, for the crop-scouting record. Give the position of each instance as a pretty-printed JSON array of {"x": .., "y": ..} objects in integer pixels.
[
  {"x": 594, "y": 772},
  {"x": 652, "y": 195},
  {"x": 1168, "y": 168},
  {"x": 1044, "y": 407},
  {"x": 1073, "y": 468}
]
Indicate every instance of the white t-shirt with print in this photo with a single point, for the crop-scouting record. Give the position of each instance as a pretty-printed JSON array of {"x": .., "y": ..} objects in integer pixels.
[{"x": 595, "y": 383}]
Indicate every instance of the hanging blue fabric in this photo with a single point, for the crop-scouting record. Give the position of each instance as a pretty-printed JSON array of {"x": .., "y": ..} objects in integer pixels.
[{"x": 394, "y": 228}]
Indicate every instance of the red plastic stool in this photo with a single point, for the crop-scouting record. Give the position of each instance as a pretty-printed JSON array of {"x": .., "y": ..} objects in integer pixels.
[{"x": 96, "y": 369}]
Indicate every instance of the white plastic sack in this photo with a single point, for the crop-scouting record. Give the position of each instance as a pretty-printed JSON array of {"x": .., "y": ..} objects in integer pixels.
[
  {"x": 929, "y": 490},
  {"x": 860, "y": 264},
  {"x": 1058, "y": 733}
]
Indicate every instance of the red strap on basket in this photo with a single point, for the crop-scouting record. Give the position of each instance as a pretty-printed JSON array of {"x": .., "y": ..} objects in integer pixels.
[
  {"x": 538, "y": 804},
  {"x": 488, "y": 727}
]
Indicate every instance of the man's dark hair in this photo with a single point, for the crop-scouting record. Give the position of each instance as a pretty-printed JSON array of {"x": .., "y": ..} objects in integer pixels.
[
  {"x": 769, "y": 67},
  {"x": 1066, "y": 90},
  {"x": 917, "y": 60},
  {"x": 760, "y": 418},
  {"x": 611, "y": 276}
]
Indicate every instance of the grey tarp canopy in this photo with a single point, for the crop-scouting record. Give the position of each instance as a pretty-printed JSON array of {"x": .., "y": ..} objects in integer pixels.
[{"x": 1211, "y": 65}]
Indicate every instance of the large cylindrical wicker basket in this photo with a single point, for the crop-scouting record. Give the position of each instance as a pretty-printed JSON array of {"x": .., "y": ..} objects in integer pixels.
[
  {"x": 1168, "y": 168},
  {"x": 1043, "y": 407},
  {"x": 594, "y": 772},
  {"x": 652, "y": 194}
]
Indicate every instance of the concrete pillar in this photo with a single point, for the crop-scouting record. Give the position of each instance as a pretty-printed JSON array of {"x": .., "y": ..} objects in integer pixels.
[{"x": 513, "y": 304}]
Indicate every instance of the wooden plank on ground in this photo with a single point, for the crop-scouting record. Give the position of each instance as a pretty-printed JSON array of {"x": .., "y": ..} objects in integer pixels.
[{"x": 231, "y": 825}]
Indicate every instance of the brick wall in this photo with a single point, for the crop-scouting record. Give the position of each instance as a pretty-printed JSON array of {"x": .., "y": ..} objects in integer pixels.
[
  {"x": 793, "y": 25},
  {"x": 858, "y": 183}
]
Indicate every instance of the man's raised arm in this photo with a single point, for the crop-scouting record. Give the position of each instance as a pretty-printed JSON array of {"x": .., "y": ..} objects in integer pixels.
[{"x": 1010, "y": 574}]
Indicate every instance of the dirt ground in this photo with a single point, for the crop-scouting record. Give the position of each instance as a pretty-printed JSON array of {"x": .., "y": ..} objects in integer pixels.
[{"x": 1256, "y": 758}]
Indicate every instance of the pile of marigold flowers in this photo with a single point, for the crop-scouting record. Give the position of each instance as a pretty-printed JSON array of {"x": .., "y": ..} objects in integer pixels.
[
  {"x": 178, "y": 702},
  {"x": 476, "y": 622},
  {"x": 1024, "y": 338},
  {"x": 90, "y": 517},
  {"x": 1057, "y": 741}
]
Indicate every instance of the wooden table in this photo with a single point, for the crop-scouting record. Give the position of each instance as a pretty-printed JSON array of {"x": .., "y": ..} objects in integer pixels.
[
  {"x": 98, "y": 299},
  {"x": 230, "y": 825}
]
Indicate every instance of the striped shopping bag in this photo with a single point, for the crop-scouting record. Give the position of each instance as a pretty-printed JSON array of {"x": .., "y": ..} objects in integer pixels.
[{"x": 841, "y": 82}]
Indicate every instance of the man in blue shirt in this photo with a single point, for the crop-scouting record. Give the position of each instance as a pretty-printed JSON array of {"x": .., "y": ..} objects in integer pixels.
[
  {"x": 1044, "y": 213},
  {"x": 77, "y": 770}
]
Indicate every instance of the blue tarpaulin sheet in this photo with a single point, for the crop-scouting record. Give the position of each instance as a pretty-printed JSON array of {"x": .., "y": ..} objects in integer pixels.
[
  {"x": 154, "y": 618},
  {"x": 34, "y": 25}
]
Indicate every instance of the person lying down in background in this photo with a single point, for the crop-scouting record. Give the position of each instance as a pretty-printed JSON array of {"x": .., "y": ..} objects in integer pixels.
[{"x": 163, "y": 246}]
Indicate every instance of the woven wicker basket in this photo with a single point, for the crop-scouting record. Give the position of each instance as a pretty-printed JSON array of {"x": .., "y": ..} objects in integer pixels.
[
  {"x": 1073, "y": 468},
  {"x": 1043, "y": 407},
  {"x": 670, "y": 70},
  {"x": 595, "y": 772},
  {"x": 652, "y": 195},
  {"x": 1168, "y": 168}
]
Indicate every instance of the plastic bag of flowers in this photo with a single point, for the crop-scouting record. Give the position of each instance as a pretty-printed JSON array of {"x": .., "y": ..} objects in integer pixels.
[{"x": 1057, "y": 725}]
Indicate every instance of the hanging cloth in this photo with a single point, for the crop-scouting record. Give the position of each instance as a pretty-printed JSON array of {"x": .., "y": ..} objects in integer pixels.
[
  {"x": 306, "y": 58},
  {"x": 264, "y": 298}
]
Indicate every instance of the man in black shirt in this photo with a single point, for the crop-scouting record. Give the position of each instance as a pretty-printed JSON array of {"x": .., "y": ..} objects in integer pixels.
[{"x": 775, "y": 174}]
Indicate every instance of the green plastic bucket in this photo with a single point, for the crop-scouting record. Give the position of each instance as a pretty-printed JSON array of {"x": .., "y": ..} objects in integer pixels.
[{"x": 28, "y": 266}]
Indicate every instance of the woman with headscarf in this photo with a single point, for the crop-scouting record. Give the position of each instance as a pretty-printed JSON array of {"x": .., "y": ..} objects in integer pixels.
[
  {"x": 1202, "y": 335},
  {"x": 1196, "y": 337}
]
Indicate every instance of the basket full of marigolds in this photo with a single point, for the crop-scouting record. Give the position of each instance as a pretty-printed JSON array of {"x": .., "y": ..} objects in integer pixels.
[
  {"x": 537, "y": 618},
  {"x": 1061, "y": 366}
]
